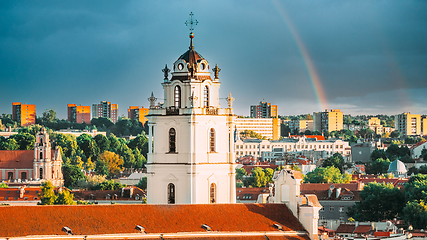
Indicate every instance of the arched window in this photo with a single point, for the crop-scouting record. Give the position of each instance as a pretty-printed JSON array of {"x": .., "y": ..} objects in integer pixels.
[
  {"x": 171, "y": 193},
  {"x": 177, "y": 96},
  {"x": 212, "y": 193},
  {"x": 41, "y": 173},
  {"x": 212, "y": 140},
  {"x": 172, "y": 140},
  {"x": 41, "y": 155},
  {"x": 206, "y": 97}
]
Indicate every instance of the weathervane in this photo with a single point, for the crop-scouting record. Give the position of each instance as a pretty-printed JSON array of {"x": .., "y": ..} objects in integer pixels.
[{"x": 191, "y": 23}]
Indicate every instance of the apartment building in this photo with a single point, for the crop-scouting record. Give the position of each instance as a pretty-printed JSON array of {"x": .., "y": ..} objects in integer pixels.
[
  {"x": 106, "y": 110},
  {"x": 328, "y": 121},
  {"x": 24, "y": 114},
  {"x": 78, "y": 114},
  {"x": 298, "y": 126},
  {"x": 264, "y": 110},
  {"x": 138, "y": 113},
  {"x": 266, "y": 127},
  {"x": 408, "y": 124}
]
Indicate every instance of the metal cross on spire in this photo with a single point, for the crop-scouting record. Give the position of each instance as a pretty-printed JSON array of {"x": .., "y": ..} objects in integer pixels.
[{"x": 191, "y": 22}]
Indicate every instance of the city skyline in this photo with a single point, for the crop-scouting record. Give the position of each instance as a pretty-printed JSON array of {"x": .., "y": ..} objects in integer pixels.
[{"x": 358, "y": 56}]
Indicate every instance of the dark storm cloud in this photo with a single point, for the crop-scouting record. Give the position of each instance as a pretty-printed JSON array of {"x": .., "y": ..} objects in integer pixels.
[{"x": 59, "y": 52}]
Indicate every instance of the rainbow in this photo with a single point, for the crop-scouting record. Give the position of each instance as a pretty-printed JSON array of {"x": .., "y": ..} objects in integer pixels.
[{"x": 309, "y": 66}]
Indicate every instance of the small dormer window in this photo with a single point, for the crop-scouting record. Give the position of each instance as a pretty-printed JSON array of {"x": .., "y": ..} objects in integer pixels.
[
  {"x": 202, "y": 66},
  {"x": 180, "y": 66}
]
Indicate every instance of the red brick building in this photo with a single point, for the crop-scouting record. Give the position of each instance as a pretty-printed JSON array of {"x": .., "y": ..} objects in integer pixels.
[{"x": 78, "y": 114}]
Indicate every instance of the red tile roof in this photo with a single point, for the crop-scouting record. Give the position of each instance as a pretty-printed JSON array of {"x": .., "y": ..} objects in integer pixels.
[
  {"x": 345, "y": 228},
  {"x": 362, "y": 229},
  {"x": 311, "y": 187},
  {"x": 250, "y": 193},
  {"x": 10, "y": 194},
  {"x": 16, "y": 159},
  {"x": 110, "y": 219},
  {"x": 317, "y": 137}
]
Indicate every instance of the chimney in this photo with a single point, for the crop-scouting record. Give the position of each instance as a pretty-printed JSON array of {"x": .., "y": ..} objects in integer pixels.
[
  {"x": 21, "y": 191},
  {"x": 338, "y": 192}
]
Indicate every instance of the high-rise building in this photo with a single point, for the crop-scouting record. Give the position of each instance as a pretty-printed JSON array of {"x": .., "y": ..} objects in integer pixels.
[
  {"x": 264, "y": 110},
  {"x": 138, "y": 113},
  {"x": 24, "y": 114},
  {"x": 78, "y": 114},
  {"x": 328, "y": 121},
  {"x": 408, "y": 124},
  {"x": 106, "y": 110}
]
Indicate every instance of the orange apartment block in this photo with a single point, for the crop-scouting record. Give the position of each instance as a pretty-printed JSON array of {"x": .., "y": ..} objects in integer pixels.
[
  {"x": 78, "y": 114},
  {"x": 139, "y": 113},
  {"x": 24, "y": 114}
]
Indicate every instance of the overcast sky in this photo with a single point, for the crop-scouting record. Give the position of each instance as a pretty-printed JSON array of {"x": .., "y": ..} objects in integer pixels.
[{"x": 369, "y": 57}]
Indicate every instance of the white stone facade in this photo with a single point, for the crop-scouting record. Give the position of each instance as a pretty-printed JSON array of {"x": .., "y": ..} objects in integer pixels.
[{"x": 191, "y": 151}]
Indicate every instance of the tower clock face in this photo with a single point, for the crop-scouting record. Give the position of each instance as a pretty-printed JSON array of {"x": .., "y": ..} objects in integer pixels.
[{"x": 180, "y": 66}]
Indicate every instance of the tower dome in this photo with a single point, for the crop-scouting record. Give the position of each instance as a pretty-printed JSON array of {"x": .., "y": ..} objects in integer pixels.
[
  {"x": 397, "y": 168},
  {"x": 191, "y": 64}
]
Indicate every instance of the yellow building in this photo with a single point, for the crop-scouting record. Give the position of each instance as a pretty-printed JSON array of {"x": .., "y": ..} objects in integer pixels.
[
  {"x": 139, "y": 113},
  {"x": 374, "y": 121},
  {"x": 24, "y": 114},
  {"x": 328, "y": 121},
  {"x": 408, "y": 124},
  {"x": 266, "y": 127}
]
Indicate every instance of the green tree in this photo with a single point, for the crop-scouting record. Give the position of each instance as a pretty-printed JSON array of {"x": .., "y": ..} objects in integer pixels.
[
  {"x": 395, "y": 134},
  {"x": 259, "y": 179},
  {"x": 101, "y": 168},
  {"x": 8, "y": 144},
  {"x": 379, "y": 202},
  {"x": 142, "y": 183},
  {"x": 377, "y": 153},
  {"x": 336, "y": 160},
  {"x": 3, "y": 185},
  {"x": 68, "y": 143},
  {"x": 49, "y": 116},
  {"x": 329, "y": 174},
  {"x": 415, "y": 213},
  {"x": 102, "y": 142},
  {"x": 109, "y": 185},
  {"x": 269, "y": 175},
  {"x": 113, "y": 161},
  {"x": 24, "y": 140},
  {"x": 64, "y": 198},
  {"x": 72, "y": 174},
  {"x": 88, "y": 145},
  {"x": 240, "y": 174},
  {"x": 47, "y": 196},
  {"x": 378, "y": 166}
]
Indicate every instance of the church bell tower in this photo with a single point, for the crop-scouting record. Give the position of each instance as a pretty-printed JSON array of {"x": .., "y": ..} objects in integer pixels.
[{"x": 190, "y": 155}]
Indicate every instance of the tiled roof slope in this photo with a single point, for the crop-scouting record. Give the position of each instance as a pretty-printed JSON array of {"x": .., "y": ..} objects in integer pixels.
[
  {"x": 312, "y": 187},
  {"x": 16, "y": 159},
  {"x": 345, "y": 228},
  {"x": 112, "y": 219}
]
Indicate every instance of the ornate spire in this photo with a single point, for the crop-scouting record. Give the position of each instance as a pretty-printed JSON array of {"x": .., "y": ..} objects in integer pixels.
[
  {"x": 216, "y": 71},
  {"x": 191, "y": 23},
  {"x": 152, "y": 101},
  {"x": 166, "y": 71},
  {"x": 230, "y": 100}
]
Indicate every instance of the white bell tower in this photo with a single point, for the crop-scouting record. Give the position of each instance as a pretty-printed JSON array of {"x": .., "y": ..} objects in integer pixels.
[{"x": 190, "y": 156}]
